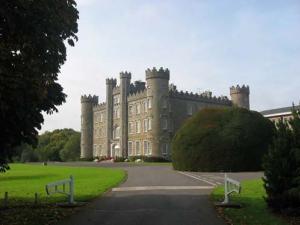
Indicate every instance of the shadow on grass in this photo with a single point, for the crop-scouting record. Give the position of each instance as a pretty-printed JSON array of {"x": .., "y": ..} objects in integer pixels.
[{"x": 26, "y": 177}]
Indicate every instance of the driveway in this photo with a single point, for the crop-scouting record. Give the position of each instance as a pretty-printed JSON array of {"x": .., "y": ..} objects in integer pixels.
[{"x": 154, "y": 195}]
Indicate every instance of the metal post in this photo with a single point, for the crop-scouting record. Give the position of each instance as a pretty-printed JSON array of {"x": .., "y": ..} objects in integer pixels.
[
  {"x": 5, "y": 203},
  {"x": 35, "y": 198},
  {"x": 226, "y": 200},
  {"x": 71, "y": 197}
]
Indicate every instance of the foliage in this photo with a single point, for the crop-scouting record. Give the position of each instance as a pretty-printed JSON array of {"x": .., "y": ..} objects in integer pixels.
[
  {"x": 71, "y": 150},
  {"x": 24, "y": 180},
  {"x": 254, "y": 209},
  {"x": 282, "y": 167},
  {"x": 58, "y": 145},
  {"x": 222, "y": 139},
  {"x": 32, "y": 51}
]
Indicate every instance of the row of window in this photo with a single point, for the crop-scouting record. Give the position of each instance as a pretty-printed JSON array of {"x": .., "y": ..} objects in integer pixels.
[
  {"x": 135, "y": 148},
  {"x": 136, "y": 108},
  {"x": 135, "y": 127}
]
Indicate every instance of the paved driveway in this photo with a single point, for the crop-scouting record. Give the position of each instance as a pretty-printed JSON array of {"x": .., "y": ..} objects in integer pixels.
[{"x": 154, "y": 195}]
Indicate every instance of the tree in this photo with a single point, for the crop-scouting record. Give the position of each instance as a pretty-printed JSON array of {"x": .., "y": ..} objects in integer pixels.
[
  {"x": 32, "y": 51},
  {"x": 222, "y": 139},
  {"x": 71, "y": 150},
  {"x": 282, "y": 167}
]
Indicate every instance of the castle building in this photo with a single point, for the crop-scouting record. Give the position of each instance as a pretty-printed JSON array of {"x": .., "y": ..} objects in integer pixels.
[
  {"x": 141, "y": 118},
  {"x": 277, "y": 114}
]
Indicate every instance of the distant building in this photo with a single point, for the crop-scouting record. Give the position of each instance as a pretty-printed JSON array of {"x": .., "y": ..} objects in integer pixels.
[
  {"x": 284, "y": 113},
  {"x": 141, "y": 118}
]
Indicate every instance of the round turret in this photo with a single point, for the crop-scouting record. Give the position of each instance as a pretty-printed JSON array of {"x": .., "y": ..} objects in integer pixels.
[
  {"x": 161, "y": 73},
  {"x": 240, "y": 96},
  {"x": 86, "y": 145},
  {"x": 158, "y": 94}
]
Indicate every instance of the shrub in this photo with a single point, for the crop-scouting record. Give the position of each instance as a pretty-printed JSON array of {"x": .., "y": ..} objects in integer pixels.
[
  {"x": 282, "y": 167},
  {"x": 222, "y": 139}
]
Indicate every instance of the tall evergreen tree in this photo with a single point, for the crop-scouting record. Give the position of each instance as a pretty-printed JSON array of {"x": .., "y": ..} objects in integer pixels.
[{"x": 282, "y": 166}]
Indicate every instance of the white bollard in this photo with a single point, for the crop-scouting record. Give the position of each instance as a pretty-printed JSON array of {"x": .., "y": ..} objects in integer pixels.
[{"x": 71, "y": 197}]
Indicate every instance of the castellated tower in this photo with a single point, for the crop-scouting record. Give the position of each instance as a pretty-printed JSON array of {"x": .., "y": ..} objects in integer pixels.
[
  {"x": 158, "y": 92},
  {"x": 87, "y": 103},
  {"x": 240, "y": 96},
  {"x": 125, "y": 78},
  {"x": 110, "y": 85}
]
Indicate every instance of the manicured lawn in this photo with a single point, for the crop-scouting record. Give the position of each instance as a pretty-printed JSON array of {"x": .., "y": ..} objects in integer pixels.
[
  {"x": 22, "y": 181},
  {"x": 254, "y": 209}
]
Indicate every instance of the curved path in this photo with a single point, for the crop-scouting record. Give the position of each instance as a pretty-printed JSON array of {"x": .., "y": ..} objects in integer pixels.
[{"x": 154, "y": 195}]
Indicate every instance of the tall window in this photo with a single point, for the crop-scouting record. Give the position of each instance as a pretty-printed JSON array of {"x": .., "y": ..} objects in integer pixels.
[
  {"x": 145, "y": 106},
  {"x": 145, "y": 125},
  {"x": 149, "y": 123},
  {"x": 138, "y": 108},
  {"x": 149, "y": 103},
  {"x": 130, "y": 110},
  {"x": 164, "y": 103},
  {"x": 130, "y": 150},
  {"x": 131, "y": 128},
  {"x": 164, "y": 124},
  {"x": 138, "y": 126},
  {"x": 147, "y": 148},
  {"x": 116, "y": 132},
  {"x": 116, "y": 99},
  {"x": 165, "y": 149},
  {"x": 190, "y": 109},
  {"x": 137, "y": 148}
]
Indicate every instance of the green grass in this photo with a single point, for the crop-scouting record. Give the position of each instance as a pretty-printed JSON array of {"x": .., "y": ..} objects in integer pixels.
[
  {"x": 254, "y": 210},
  {"x": 22, "y": 181}
]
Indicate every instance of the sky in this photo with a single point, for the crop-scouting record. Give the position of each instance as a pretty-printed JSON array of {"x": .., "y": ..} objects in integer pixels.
[{"x": 206, "y": 44}]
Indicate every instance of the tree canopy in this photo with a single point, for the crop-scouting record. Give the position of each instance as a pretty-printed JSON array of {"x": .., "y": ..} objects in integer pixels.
[
  {"x": 33, "y": 34},
  {"x": 222, "y": 139}
]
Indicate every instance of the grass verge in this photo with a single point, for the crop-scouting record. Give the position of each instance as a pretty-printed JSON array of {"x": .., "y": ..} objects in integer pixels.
[
  {"x": 22, "y": 181},
  {"x": 254, "y": 210}
]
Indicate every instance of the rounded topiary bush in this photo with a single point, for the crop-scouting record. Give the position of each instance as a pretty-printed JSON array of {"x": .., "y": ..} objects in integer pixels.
[{"x": 222, "y": 139}]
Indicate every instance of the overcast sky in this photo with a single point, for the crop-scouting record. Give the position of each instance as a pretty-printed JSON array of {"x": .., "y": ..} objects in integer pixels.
[{"x": 207, "y": 45}]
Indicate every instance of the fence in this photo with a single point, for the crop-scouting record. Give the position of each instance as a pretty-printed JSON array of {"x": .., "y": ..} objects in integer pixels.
[
  {"x": 230, "y": 186},
  {"x": 61, "y": 187}
]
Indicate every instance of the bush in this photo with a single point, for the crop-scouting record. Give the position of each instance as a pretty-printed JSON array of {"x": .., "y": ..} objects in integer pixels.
[
  {"x": 222, "y": 139},
  {"x": 282, "y": 167}
]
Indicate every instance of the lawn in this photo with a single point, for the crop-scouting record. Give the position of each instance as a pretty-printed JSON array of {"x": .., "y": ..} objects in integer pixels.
[
  {"x": 22, "y": 181},
  {"x": 254, "y": 210}
]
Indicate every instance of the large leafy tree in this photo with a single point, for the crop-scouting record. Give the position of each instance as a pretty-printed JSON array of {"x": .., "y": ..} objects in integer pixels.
[{"x": 33, "y": 34}]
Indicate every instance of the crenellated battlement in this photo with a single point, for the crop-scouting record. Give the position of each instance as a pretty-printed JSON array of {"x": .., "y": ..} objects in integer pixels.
[
  {"x": 161, "y": 73},
  {"x": 237, "y": 89},
  {"x": 89, "y": 99},
  {"x": 137, "y": 95},
  {"x": 99, "y": 107},
  {"x": 125, "y": 74},
  {"x": 204, "y": 97},
  {"x": 111, "y": 81}
]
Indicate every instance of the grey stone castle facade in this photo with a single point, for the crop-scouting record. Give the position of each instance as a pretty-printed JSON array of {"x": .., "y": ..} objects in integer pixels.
[{"x": 141, "y": 118}]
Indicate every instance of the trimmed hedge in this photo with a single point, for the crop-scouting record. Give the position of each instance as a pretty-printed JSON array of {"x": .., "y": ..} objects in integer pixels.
[{"x": 222, "y": 139}]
